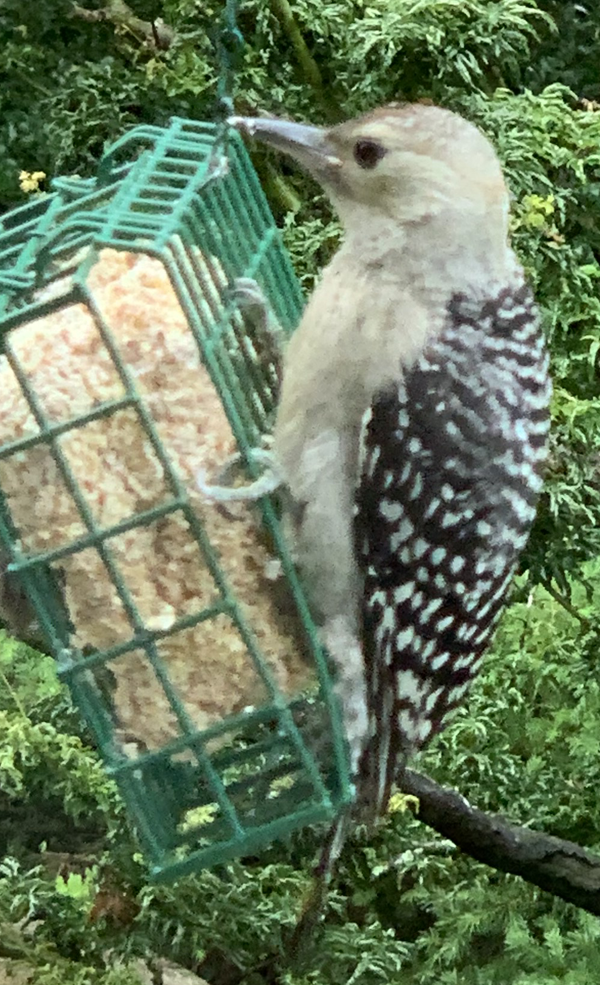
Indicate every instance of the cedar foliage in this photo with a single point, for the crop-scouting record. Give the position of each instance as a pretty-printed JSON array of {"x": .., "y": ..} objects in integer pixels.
[{"x": 406, "y": 907}]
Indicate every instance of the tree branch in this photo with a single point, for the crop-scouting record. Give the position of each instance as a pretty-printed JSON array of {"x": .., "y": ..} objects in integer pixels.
[
  {"x": 566, "y": 604},
  {"x": 310, "y": 70},
  {"x": 559, "y": 867},
  {"x": 155, "y": 34}
]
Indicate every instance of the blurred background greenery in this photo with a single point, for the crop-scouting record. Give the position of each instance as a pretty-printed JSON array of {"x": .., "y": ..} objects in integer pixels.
[{"x": 407, "y": 906}]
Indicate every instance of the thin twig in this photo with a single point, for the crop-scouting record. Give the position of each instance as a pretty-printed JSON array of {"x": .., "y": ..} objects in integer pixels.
[
  {"x": 566, "y": 605},
  {"x": 310, "y": 70},
  {"x": 156, "y": 34}
]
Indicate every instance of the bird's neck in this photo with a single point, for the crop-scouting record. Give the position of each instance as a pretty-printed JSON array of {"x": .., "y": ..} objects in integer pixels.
[{"x": 436, "y": 257}]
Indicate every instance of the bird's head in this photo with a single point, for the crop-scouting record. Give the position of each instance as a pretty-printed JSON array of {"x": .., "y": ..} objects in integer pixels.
[{"x": 398, "y": 165}]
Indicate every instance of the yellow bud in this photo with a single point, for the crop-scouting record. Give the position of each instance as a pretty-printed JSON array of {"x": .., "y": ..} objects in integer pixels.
[
  {"x": 400, "y": 802},
  {"x": 30, "y": 181}
]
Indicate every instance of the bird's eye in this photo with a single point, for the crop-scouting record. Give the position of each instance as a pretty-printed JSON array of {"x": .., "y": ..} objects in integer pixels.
[{"x": 368, "y": 153}]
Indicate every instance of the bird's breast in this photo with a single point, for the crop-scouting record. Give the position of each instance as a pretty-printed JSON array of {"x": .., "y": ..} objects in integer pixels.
[{"x": 361, "y": 328}]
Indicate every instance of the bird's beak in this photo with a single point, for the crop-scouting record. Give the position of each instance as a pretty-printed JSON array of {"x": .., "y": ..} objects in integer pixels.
[{"x": 310, "y": 146}]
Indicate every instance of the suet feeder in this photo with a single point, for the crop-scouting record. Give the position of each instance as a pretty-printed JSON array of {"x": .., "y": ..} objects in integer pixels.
[{"x": 100, "y": 519}]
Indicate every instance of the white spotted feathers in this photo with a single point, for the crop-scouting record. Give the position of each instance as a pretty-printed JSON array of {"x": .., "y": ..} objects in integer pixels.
[{"x": 450, "y": 473}]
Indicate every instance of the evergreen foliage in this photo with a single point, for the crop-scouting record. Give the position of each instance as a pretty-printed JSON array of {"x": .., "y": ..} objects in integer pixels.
[{"x": 407, "y": 906}]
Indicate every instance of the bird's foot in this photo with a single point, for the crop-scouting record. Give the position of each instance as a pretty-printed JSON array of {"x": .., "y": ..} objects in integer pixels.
[
  {"x": 264, "y": 331},
  {"x": 267, "y": 483},
  {"x": 249, "y": 298}
]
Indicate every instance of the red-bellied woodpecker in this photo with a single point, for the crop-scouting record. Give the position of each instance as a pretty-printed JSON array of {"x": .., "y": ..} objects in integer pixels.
[{"x": 413, "y": 420}]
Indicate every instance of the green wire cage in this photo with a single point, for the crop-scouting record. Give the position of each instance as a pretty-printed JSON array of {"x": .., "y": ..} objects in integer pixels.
[{"x": 209, "y": 787}]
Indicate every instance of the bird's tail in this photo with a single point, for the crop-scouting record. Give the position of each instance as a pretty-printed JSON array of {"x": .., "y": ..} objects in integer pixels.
[{"x": 323, "y": 874}]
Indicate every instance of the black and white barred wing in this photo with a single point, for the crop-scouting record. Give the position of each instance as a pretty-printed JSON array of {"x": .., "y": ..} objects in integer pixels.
[{"x": 451, "y": 470}]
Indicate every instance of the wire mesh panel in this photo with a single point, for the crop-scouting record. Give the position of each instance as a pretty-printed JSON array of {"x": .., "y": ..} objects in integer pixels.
[{"x": 129, "y": 364}]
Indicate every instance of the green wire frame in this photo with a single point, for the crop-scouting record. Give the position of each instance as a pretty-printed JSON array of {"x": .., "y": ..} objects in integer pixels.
[{"x": 191, "y": 185}]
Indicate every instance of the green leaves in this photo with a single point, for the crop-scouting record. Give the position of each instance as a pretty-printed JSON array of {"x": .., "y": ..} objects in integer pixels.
[
  {"x": 407, "y": 906},
  {"x": 458, "y": 42}
]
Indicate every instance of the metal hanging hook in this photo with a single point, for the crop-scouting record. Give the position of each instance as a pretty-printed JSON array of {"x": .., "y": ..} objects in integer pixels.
[{"x": 229, "y": 49}]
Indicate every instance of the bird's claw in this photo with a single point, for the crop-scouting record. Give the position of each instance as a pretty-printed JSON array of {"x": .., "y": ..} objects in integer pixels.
[
  {"x": 263, "y": 329},
  {"x": 267, "y": 483},
  {"x": 247, "y": 295}
]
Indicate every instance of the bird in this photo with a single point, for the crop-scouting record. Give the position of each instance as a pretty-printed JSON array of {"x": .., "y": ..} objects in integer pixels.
[{"x": 412, "y": 425}]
